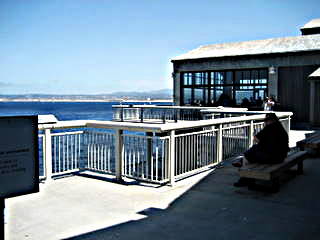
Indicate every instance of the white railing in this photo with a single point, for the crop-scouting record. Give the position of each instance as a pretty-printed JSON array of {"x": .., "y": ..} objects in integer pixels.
[
  {"x": 145, "y": 158},
  {"x": 145, "y": 113},
  {"x": 157, "y": 153},
  {"x": 100, "y": 151},
  {"x": 66, "y": 150}
]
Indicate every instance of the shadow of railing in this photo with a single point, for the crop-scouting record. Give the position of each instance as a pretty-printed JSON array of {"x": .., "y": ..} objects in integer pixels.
[{"x": 214, "y": 209}]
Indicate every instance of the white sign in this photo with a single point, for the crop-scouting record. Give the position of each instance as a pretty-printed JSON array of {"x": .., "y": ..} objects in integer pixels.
[{"x": 19, "y": 162}]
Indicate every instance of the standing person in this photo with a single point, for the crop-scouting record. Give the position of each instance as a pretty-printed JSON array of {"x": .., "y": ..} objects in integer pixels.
[
  {"x": 269, "y": 104},
  {"x": 271, "y": 146}
]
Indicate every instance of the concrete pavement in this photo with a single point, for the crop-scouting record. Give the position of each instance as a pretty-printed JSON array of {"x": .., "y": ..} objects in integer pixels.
[{"x": 205, "y": 206}]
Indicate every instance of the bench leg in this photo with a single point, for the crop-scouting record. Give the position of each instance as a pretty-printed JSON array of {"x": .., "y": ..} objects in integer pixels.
[{"x": 300, "y": 168}]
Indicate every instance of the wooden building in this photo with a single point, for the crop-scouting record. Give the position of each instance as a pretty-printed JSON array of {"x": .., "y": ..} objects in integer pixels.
[
  {"x": 229, "y": 73},
  {"x": 314, "y": 108}
]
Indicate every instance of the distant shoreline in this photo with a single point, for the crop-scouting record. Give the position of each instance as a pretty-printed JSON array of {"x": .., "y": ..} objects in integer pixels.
[{"x": 83, "y": 100}]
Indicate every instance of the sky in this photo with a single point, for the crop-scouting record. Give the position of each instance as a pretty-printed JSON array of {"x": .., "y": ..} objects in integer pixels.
[{"x": 104, "y": 46}]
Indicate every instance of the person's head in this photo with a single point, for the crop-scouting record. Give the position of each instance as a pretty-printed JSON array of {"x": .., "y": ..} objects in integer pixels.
[{"x": 270, "y": 118}]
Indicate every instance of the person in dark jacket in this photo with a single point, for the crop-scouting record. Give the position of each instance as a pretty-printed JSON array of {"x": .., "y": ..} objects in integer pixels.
[{"x": 271, "y": 146}]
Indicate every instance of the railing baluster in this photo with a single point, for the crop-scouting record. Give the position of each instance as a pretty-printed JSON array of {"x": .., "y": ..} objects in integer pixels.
[{"x": 48, "y": 153}]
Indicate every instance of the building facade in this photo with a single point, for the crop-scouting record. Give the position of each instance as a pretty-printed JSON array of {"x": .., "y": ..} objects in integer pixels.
[{"x": 232, "y": 74}]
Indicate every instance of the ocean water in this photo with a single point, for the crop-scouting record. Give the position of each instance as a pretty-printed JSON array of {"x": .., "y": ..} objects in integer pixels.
[{"x": 65, "y": 110}]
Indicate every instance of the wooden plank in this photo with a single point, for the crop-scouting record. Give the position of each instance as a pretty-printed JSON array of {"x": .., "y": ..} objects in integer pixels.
[
  {"x": 270, "y": 171},
  {"x": 310, "y": 142},
  {"x": 311, "y": 138}
]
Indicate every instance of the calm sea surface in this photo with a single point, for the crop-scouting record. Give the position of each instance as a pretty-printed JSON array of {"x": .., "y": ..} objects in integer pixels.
[{"x": 64, "y": 110}]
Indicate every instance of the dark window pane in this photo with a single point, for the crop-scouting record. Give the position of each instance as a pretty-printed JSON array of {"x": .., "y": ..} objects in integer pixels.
[
  {"x": 199, "y": 95},
  {"x": 219, "y": 78},
  {"x": 187, "y": 78},
  {"x": 241, "y": 95},
  {"x": 238, "y": 77},
  {"x": 187, "y": 96},
  {"x": 201, "y": 78}
]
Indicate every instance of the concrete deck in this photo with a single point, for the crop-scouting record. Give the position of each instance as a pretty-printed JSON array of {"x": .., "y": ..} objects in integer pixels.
[{"x": 206, "y": 206}]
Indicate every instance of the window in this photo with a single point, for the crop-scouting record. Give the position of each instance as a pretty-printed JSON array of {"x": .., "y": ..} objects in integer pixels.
[
  {"x": 187, "y": 99},
  {"x": 250, "y": 85},
  {"x": 187, "y": 77},
  {"x": 206, "y": 87}
]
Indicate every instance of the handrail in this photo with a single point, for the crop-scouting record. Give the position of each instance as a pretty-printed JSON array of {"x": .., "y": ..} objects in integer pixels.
[
  {"x": 153, "y": 127},
  {"x": 221, "y": 108}
]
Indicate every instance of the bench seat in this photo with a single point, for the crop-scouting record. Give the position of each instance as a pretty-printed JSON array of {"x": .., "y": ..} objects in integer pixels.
[
  {"x": 271, "y": 172},
  {"x": 312, "y": 141}
]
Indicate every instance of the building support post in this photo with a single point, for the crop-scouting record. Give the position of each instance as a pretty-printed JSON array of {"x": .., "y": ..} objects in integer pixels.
[
  {"x": 119, "y": 154},
  {"x": 176, "y": 89},
  {"x": 312, "y": 101},
  {"x": 47, "y": 154}
]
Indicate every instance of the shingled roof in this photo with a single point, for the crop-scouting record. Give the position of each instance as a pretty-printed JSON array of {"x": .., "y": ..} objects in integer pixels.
[
  {"x": 257, "y": 47},
  {"x": 314, "y": 23}
]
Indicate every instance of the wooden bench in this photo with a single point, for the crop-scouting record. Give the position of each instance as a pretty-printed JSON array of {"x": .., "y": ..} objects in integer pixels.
[
  {"x": 273, "y": 172},
  {"x": 311, "y": 142}
]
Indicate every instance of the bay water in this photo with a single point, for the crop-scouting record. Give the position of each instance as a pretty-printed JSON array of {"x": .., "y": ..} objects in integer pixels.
[{"x": 66, "y": 110}]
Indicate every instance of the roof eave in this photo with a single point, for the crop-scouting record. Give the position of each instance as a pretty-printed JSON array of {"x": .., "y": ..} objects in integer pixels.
[{"x": 244, "y": 55}]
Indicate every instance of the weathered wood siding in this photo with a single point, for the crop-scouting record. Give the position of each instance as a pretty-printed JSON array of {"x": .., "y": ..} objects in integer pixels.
[
  {"x": 294, "y": 90},
  {"x": 316, "y": 106}
]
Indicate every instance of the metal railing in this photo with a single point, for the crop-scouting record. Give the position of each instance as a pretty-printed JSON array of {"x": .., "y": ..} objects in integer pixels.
[
  {"x": 156, "y": 153},
  {"x": 147, "y": 113}
]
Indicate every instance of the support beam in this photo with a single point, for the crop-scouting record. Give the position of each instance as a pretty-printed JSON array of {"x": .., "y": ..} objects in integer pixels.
[{"x": 312, "y": 101}]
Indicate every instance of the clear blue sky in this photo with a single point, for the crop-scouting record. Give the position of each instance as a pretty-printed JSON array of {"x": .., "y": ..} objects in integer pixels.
[{"x": 102, "y": 46}]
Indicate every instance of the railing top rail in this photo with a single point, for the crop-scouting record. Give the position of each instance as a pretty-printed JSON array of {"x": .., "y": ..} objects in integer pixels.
[
  {"x": 237, "y": 111},
  {"x": 152, "y": 127},
  {"x": 131, "y": 126},
  {"x": 207, "y": 123},
  {"x": 180, "y": 107}
]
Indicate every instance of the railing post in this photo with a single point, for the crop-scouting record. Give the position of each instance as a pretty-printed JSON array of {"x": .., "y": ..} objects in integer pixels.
[
  {"x": 251, "y": 133},
  {"x": 289, "y": 126},
  {"x": 219, "y": 153},
  {"x": 149, "y": 154},
  {"x": 172, "y": 157},
  {"x": 141, "y": 115},
  {"x": 175, "y": 116},
  {"x": 121, "y": 114},
  {"x": 119, "y": 154},
  {"x": 47, "y": 154},
  {"x": 163, "y": 116}
]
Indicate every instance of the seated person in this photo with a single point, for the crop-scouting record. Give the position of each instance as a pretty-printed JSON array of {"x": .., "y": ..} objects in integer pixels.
[{"x": 271, "y": 146}]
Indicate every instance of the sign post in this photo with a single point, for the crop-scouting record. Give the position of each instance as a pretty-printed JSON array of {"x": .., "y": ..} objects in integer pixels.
[{"x": 19, "y": 159}]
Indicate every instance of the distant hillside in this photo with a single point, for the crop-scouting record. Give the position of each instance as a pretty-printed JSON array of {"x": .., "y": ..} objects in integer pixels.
[
  {"x": 163, "y": 94},
  {"x": 158, "y": 94}
]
